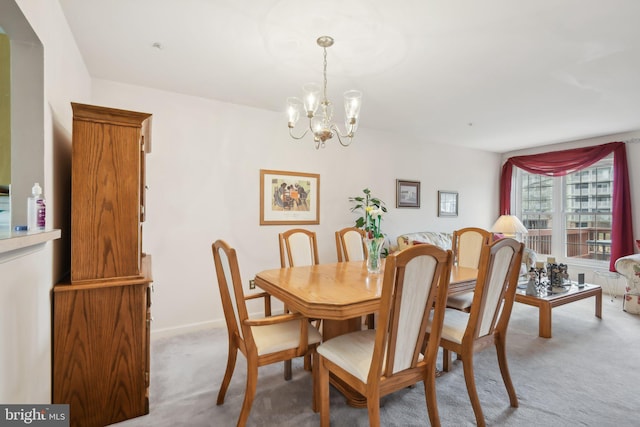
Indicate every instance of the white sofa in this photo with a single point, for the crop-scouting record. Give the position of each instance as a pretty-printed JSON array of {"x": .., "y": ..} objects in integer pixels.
[
  {"x": 443, "y": 240},
  {"x": 629, "y": 267},
  {"x": 436, "y": 238}
]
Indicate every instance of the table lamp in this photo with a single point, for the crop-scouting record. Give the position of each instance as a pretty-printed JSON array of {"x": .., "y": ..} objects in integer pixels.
[{"x": 510, "y": 226}]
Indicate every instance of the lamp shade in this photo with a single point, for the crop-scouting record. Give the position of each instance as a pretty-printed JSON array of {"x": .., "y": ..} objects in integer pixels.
[
  {"x": 509, "y": 225},
  {"x": 352, "y": 99}
]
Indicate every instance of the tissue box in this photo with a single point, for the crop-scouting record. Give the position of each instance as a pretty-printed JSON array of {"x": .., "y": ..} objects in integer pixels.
[{"x": 631, "y": 303}]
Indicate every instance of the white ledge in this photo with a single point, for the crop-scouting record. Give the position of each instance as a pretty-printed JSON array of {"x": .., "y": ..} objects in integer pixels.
[{"x": 14, "y": 244}]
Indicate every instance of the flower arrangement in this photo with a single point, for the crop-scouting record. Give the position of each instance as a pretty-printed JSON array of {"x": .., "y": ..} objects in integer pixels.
[{"x": 372, "y": 209}]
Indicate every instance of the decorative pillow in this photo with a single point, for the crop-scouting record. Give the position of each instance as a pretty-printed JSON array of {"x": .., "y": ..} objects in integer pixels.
[{"x": 497, "y": 236}]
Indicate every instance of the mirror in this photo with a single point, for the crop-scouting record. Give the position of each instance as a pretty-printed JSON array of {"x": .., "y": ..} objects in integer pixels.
[{"x": 25, "y": 123}]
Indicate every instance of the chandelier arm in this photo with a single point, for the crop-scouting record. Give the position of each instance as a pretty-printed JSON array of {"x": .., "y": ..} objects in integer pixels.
[
  {"x": 348, "y": 136},
  {"x": 297, "y": 137}
]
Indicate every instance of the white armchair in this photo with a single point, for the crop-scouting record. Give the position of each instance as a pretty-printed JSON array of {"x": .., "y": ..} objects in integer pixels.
[{"x": 629, "y": 267}]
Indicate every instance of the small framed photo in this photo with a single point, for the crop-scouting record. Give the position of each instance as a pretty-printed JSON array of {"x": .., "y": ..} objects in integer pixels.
[
  {"x": 407, "y": 194},
  {"x": 289, "y": 198},
  {"x": 447, "y": 203}
]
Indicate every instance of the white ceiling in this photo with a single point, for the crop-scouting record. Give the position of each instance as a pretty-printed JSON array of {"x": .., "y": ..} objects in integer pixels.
[{"x": 497, "y": 75}]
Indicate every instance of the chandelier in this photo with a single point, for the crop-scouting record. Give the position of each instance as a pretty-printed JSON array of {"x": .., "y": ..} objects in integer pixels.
[{"x": 321, "y": 124}]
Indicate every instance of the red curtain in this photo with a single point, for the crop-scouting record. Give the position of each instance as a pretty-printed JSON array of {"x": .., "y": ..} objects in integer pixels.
[{"x": 559, "y": 163}]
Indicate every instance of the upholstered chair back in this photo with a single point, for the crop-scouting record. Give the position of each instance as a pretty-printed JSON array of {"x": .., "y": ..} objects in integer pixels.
[
  {"x": 495, "y": 295},
  {"x": 349, "y": 244},
  {"x": 415, "y": 292},
  {"x": 298, "y": 247},
  {"x": 467, "y": 244}
]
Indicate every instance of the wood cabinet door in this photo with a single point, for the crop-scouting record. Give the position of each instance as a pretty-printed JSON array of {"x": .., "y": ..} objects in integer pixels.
[
  {"x": 107, "y": 192},
  {"x": 101, "y": 352}
]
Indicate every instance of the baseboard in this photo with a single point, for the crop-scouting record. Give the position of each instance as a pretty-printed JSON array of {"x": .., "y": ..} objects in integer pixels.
[
  {"x": 194, "y": 327},
  {"x": 184, "y": 329}
]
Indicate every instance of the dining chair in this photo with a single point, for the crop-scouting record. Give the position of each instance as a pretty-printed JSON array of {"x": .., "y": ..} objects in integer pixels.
[
  {"x": 351, "y": 247},
  {"x": 466, "y": 245},
  {"x": 397, "y": 353},
  {"x": 349, "y": 244},
  {"x": 486, "y": 324},
  {"x": 263, "y": 341},
  {"x": 298, "y": 247}
]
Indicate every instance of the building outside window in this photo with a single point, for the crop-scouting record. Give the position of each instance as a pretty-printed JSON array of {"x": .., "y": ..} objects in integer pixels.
[{"x": 568, "y": 216}]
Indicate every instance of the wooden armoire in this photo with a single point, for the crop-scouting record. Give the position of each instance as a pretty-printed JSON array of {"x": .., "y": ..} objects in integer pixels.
[{"x": 101, "y": 314}]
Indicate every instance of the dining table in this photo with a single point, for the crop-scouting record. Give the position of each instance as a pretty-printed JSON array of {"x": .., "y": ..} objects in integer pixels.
[{"x": 340, "y": 294}]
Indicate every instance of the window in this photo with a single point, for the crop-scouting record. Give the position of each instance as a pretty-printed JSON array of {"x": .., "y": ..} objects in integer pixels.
[
  {"x": 568, "y": 216},
  {"x": 537, "y": 210}
]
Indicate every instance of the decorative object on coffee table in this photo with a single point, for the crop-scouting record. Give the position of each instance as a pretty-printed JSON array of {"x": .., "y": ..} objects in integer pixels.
[
  {"x": 532, "y": 289},
  {"x": 558, "y": 278}
]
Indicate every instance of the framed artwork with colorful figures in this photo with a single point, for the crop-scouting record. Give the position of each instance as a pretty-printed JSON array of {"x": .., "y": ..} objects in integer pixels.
[{"x": 289, "y": 198}]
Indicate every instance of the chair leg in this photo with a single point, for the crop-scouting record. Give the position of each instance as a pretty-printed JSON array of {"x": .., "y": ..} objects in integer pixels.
[
  {"x": 307, "y": 357},
  {"x": 446, "y": 360},
  {"x": 231, "y": 364},
  {"x": 250, "y": 392},
  {"x": 430, "y": 395},
  {"x": 287, "y": 370},
  {"x": 469, "y": 379},
  {"x": 315, "y": 404},
  {"x": 323, "y": 392},
  {"x": 373, "y": 407},
  {"x": 504, "y": 370},
  {"x": 371, "y": 321},
  {"x": 307, "y": 362}
]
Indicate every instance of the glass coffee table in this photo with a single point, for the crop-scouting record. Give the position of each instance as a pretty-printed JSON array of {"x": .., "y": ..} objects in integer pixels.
[{"x": 545, "y": 302}]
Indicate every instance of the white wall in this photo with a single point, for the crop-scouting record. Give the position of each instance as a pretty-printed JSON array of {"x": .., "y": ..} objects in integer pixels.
[
  {"x": 25, "y": 307},
  {"x": 203, "y": 174},
  {"x": 633, "y": 158}
]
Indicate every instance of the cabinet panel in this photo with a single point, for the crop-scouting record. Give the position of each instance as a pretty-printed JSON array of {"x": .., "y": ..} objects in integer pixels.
[
  {"x": 107, "y": 192},
  {"x": 101, "y": 352}
]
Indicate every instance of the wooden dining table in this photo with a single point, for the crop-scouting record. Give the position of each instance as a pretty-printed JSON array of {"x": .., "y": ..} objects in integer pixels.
[{"x": 340, "y": 294}]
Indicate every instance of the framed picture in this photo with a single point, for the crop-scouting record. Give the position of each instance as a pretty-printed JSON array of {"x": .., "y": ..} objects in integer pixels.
[
  {"x": 407, "y": 194},
  {"x": 289, "y": 198},
  {"x": 447, "y": 203}
]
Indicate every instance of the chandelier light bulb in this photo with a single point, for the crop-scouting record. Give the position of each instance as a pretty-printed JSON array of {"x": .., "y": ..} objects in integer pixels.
[
  {"x": 294, "y": 106},
  {"x": 352, "y": 100},
  {"x": 311, "y": 98}
]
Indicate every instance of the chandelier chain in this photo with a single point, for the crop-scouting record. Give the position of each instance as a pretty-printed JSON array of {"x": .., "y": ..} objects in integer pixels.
[{"x": 325, "y": 76}]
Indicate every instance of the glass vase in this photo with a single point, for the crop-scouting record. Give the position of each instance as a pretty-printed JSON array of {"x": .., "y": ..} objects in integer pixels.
[{"x": 374, "y": 248}]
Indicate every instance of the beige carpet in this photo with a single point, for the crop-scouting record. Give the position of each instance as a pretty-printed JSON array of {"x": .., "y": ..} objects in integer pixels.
[{"x": 588, "y": 374}]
